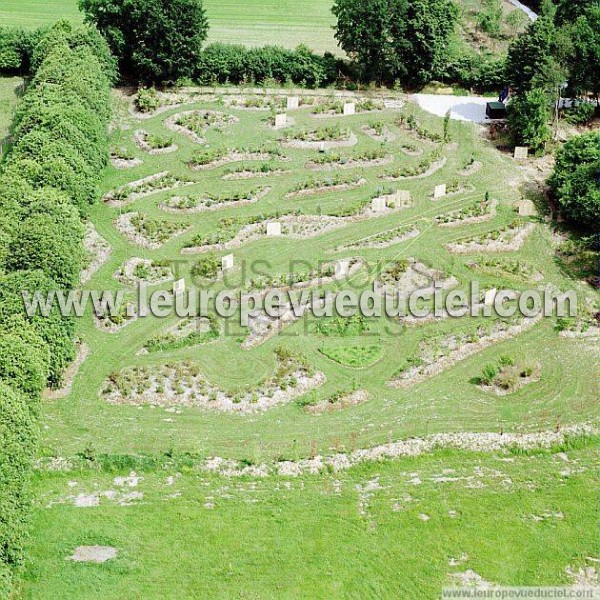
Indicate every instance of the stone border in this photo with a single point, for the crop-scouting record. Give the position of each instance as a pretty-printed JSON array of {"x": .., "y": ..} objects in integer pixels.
[
  {"x": 466, "y": 351},
  {"x": 315, "y": 145},
  {"x": 216, "y": 206}
]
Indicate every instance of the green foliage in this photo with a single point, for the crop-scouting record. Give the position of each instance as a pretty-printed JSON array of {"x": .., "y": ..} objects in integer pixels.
[
  {"x": 18, "y": 438},
  {"x": 490, "y": 17},
  {"x": 396, "y": 39},
  {"x": 16, "y": 49},
  {"x": 154, "y": 40},
  {"x": 531, "y": 54},
  {"x": 528, "y": 117},
  {"x": 226, "y": 63},
  {"x": 575, "y": 182},
  {"x": 49, "y": 174},
  {"x": 206, "y": 267},
  {"x": 24, "y": 357},
  {"x": 584, "y": 73}
]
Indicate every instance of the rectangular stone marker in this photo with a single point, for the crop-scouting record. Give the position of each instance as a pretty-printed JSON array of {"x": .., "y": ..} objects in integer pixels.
[
  {"x": 349, "y": 109},
  {"x": 179, "y": 287},
  {"x": 521, "y": 152},
  {"x": 293, "y": 102},
  {"x": 378, "y": 204},
  {"x": 227, "y": 262},
  {"x": 342, "y": 267},
  {"x": 527, "y": 208},
  {"x": 273, "y": 229},
  {"x": 440, "y": 191},
  {"x": 490, "y": 297},
  {"x": 402, "y": 197},
  {"x": 280, "y": 121}
]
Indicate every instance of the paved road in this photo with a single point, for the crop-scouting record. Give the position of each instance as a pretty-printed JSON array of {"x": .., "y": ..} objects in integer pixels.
[{"x": 462, "y": 108}]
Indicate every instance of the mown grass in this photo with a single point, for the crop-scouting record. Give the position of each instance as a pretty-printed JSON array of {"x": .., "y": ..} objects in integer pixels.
[
  {"x": 353, "y": 534},
  {"x": 567, "y": 391},
  {"x": 250, "y": 22}
]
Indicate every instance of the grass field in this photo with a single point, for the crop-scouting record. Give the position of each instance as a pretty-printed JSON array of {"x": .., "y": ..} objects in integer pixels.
[
  {"x": 518, "y": 518},
  {"x": 256, "y": 22},
  {"x": 401, "y": 529},
  {"x": 279, "y": 22}
]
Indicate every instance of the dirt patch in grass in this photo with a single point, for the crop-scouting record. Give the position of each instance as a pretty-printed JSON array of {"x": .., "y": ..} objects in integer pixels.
[
  {"x": 135, "y": 190},
  {"x": 137, "y": 269},
  {"x": 143, "y": 140},
  {"x": 95, "y": 554},
  {"x": 97, "y": 249},
  {"x": 325, "y": 145},
  {"x": 146, "y": 232},
  {"x": 182, "y": 204},
  {"x": 69, "y": 375}
]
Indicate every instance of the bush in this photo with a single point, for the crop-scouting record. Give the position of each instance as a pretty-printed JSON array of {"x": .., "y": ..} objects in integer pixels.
[
  {"x": 581, "y": 114},
  {"x": 226, "y": 63},
  {"x": 24, "y": 357},
  {"x": 57, "y": 331},
  {"x": 50, "y": 172},
  {"x": 206, "y": 267},
  {"x": 16, "y": 49},
  {"x": 18, "y": 437},
  {"x": 528, "y": 117},
  {"x": 575, "y": 182}
]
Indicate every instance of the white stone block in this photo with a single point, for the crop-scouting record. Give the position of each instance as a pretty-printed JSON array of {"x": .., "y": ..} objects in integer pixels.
[
  {"x": 521, "y": 152},
  {"x": 273, "y": 229},
  {"x": 402, "y": 197},
  {"x": 227, "y": 262},
  {"x": 378, "y": 204},
  {"x": 179, "y": 286},
  {"x": 342, "y": 268},
  {"x": 440, "y": 191},
  {"x": 293, "y": 102},
  {"x": 527, "y": 208},
  {"x": 349, "y": 109},
  {"x": 490, "y": 297},
  {"x": 280, "y": 121}
]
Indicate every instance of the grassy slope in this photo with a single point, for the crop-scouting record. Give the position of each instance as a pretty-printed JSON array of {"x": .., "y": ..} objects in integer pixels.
[
  {"x": 253, "y": 22},
  {"x": 209, "y": 537},
  {"x": 567, "y": 392},
  {"x": 250, "y": 22}
]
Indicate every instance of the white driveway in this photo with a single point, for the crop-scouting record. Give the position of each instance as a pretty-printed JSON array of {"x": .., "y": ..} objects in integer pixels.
[{"x": 462, "y": 108}]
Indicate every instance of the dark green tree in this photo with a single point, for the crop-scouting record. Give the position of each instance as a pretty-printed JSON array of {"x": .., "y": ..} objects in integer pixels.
[
  {"x": 575, "y": 183},
  {"x": 154, "y": 40},
  {"x": 396, "y": 39},
  {"x": 531, "y": 54},
  {"x": 528, "y": 116}
]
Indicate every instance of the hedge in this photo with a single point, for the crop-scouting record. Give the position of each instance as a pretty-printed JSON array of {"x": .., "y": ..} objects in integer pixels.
[{"x": 49, "y": 178}]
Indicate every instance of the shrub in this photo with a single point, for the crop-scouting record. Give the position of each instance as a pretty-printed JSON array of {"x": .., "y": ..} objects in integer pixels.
[
  {"x": 206, "y": 267},
  {"x": 24, "y": 357},
  {"x": 575, "y": 182},
  {"x": 18, "y": 437},
  {"x": 488, "y": 374}
]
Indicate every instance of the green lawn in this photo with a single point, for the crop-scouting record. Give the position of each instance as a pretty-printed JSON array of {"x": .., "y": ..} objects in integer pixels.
[
  {"x": 399, "y": 529},
  {"x": 251, "y": 22},
  {"x": 567, "y": 391}
]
